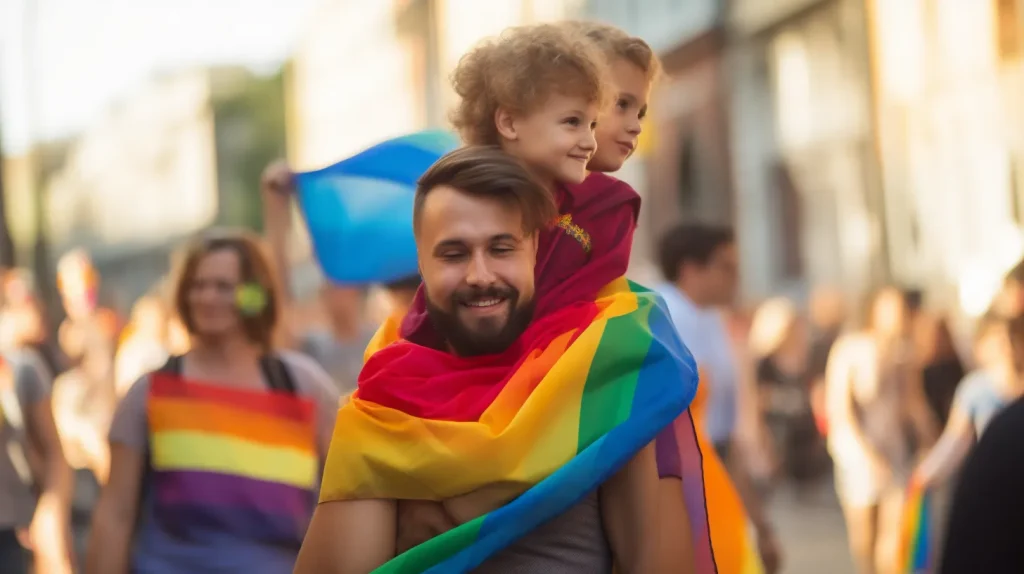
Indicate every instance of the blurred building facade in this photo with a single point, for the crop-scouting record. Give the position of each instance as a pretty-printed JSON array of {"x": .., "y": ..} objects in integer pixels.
[{"x": 183, "y": 153}]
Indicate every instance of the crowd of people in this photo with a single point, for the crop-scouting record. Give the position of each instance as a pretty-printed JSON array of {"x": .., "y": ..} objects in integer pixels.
[{"x": 210, "y": 422}]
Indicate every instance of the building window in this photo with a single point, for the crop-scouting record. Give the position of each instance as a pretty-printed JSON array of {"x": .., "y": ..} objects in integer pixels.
[
  {"x": 1009, "y": 30},
  {"x": 689, "y": 176},
  {"x": 788, "y": 223}
]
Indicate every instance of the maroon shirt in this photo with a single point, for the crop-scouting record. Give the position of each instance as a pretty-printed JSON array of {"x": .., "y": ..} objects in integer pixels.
[{"x": 586, "y": 248}]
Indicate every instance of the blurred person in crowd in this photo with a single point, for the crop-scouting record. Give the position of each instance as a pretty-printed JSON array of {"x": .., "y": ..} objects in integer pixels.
[
  {"x": 339, "y": 345},
  {"x": 878, "y": 420},
  {"x": 1009, "y": 300},
  {"x": 987, "y": 515},
  {"x": 90, "y": 334},
  {"x": 983, "y": 393},
  {"x": 701, "y": 269},
  {"x": 35, "y": 481},
  {"x": 827, "y": 318},
  {"x": 145, "y": 344},
  {"x": 941, "y": 368},
  {"x": 779, "y": 344},
  {"x": 215, "y": 456},
  {"x": 19, "y": 293}
]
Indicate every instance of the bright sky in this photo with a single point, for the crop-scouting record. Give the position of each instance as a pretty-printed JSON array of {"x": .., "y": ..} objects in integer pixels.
[{"x": 92, "y": 52}]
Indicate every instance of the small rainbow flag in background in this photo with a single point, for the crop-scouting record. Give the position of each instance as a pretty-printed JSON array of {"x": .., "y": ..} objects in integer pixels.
[
  {"x": 232, "y": 460},
  {"x": 545, "y": 423},
  {"x": 916, "y": 535},
  {"x": 359, "y": 210}
]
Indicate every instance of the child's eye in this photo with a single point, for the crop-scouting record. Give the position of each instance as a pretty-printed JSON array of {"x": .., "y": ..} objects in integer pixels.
[
  {"x": 572, "y": 121},
  {"x": 622, "y": 104},
  {"x": 593, "y": 125}
]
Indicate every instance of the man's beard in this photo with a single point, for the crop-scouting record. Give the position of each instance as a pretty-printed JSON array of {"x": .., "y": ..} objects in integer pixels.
[{"x": 468, "y": 343}]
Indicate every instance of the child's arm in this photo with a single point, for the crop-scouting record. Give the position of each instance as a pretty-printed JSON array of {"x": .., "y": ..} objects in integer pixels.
[{"x": 632, "y": 515}]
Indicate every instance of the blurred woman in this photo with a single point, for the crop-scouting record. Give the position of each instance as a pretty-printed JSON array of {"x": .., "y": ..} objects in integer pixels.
[
  {"x": 778, "y": 340},
  {"x": 878, "y": 419},
  {"x": 216, "y": 456},
  {"x": 941, "y": 369},
  {"x": 984, "y": 392}
]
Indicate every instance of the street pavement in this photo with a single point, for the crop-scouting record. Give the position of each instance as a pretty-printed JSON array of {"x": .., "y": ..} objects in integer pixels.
[{"x": 811, "y": 531}]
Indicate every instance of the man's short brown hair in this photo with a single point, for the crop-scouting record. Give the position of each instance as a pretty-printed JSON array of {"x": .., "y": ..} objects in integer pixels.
[
  {"x": 519, "y": 70},
  {"x": 486, "y": 171},
  {"x": 617, "y": 44},
  {"x": 255, "y": 269}
]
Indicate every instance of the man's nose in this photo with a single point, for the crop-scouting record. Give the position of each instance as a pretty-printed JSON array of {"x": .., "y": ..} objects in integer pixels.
[{"x": 479, "y": 271}]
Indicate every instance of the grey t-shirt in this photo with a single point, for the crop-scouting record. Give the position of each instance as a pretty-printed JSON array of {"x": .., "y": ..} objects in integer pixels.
[
  {"x": 157, "y": 551},
  {"x": 31, "y": 386},
  {"x": 571, "y": 543},
  {"x": 341, "y": 359}
]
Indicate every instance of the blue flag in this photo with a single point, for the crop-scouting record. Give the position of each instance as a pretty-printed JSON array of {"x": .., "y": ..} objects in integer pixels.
[{"x": 359, "y": 210}]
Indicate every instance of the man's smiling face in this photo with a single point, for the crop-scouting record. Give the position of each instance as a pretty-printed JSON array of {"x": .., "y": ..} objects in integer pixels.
[{"x": 477, "y": 264}]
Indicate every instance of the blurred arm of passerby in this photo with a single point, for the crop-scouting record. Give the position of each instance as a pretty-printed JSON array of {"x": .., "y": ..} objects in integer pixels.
[
  {"x": 49, "y": 533},
  {"x": 115, "y": 516},
  {"x": 277, "y": 188},
  {"x": 949, "y": 452},
  {"x": 753, "y": 439}
]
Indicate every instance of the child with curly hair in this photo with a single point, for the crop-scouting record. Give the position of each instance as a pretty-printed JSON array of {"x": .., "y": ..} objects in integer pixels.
[{"x": 537, "y": 93}]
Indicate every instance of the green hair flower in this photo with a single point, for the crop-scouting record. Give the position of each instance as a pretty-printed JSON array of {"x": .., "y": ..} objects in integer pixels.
[{"x": 251, "y": 299}]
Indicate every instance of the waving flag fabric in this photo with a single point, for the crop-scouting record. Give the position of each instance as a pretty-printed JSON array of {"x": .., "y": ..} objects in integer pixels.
[
  {"x": 359, "y": 210},
  {"x": 916, "y": 550},
  {"x": 706, "y": 484},
  {"x": 540, "y": 425}
]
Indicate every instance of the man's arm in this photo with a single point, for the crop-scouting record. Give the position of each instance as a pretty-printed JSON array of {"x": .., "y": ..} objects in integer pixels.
[
  {"x": 630, "y": 510},
  {"x": 349, "y": 537}
]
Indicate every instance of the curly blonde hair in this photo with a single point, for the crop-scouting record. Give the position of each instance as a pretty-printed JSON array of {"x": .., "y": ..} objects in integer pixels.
[
  {"x": 519, "y": 70},
  {"x": 615, "y": 43}
]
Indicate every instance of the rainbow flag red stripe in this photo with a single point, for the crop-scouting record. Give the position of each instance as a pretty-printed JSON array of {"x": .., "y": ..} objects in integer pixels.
[{"x": 586, "y": 388}]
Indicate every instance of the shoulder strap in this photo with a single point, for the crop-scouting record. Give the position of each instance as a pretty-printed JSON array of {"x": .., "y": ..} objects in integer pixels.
[
  {"x": 274, "y": 370},
  {"x": 277, "y": 374}
]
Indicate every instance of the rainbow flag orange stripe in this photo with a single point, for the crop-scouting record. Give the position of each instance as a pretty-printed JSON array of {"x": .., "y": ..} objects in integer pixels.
[
  {"x": 232, "y": 460},
  {"x": 588, "y": 387}
]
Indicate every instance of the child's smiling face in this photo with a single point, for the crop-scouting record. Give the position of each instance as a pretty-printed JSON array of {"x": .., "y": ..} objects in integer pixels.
[{"x": 555, "y": 141}]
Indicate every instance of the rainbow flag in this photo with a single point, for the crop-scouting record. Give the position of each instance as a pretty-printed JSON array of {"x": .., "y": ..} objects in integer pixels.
[
  {"x": 580, "y": 393},
  {"x": 232, "y": 460},
  {"x": 916, "y": 535},
  {"x": 359, "y": 210},
  {"x": 724, "y": 538}
]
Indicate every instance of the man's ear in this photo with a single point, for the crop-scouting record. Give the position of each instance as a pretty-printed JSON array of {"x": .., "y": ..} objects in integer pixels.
[{"x": 505, "y": 121}]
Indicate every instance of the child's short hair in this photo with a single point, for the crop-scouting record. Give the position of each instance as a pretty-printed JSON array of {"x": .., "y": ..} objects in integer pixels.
[
  {"x": 615, "y": 43},
  {"x": 519, "y": 70}
]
